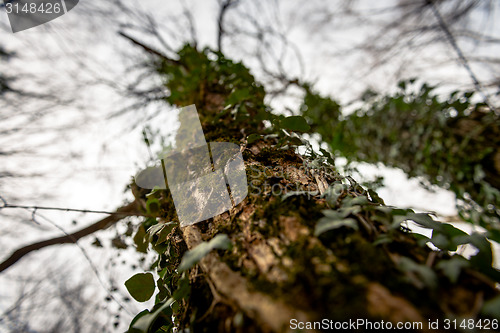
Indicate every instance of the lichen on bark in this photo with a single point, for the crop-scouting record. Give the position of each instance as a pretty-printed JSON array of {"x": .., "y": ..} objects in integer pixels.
[{"x": 279, "y": 267}]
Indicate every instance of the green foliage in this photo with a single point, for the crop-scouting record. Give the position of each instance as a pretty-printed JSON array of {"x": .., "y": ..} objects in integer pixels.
[
  {"x": 452, "y": 268},
  {"x": 253, "y": 137},
  {"x": 492, "y": 308},
  {"x": 451, "y": 142},
  {"x": 419, "y": 272},
  {"x": 141, "y": 286},
  {"x": 144, "y": 320},
  {"x": 346, "y": 210},
  {"x": 172, "y": 284},
  {"x": 141, "y": 245},
  {"x": 332, "y": 221},
  {"x": 199, "y": 71},
  {"x": 294, "y": 123},
  {"x": 192, "y": 257},
  {"x": 348, "y": 204}
]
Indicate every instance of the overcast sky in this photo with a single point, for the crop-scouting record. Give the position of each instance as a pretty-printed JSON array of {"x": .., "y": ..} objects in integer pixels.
[{"x": 92, "y": 156}]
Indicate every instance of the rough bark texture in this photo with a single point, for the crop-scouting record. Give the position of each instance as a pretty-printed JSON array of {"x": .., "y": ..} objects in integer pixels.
[{"x": 278, "y": 269}]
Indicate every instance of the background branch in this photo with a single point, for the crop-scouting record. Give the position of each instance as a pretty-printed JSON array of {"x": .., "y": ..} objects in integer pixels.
[{"x": 126, "y": 210}]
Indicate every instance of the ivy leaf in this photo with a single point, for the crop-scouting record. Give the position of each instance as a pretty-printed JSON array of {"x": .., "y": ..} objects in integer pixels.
[
  {"x": 492, "y": 308},
  {"x": 332, "y": 193},
  {"x": 448, "y": 237},
  {"x": 295, "y": 123},
  {"x": 141, "y": 286},
  {"x": 484, "y": 258},
  {"x": 146, "y": 320},
  {"x": 293, "y": 193},
  {"x": 161, "y": 230},
  {"x": 359, "y": 200},
  {"x": 253, "y": 137},
  {"x": 452, "y": 268},
  {"x": 382, "y": 239},
  {"x": 142, "y": 245},
  {"x": 328, "y": 156},
  {"x": 375, "y": 197},
  {"x": 164, "y": 232},
  {"x": 192, "y": 257},
  {"x": 153, "y": 206},
  {"x": 183, "y": 289},
  {"x": 426, "y": 274},
  {"x": 131, "y": 329},
  {"x": 422, "y": 240},
  {"x": 424, "y": 220},
  {"x": 327, "y": 223}
]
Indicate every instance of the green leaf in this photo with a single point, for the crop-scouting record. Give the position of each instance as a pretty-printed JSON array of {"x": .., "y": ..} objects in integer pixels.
[
  {"x": 183, "y": 289},
  {"x": 139, "y": 239},
  {"x": 383, "y": 239},
  {"x": 139, "y": 315},
  {"x": 424, "y": 220},
  {"x": 295, "y": 123},
  {"x": 153, "y": 206},
  {"x": 164, "y": 232},
  {"x": 425, "y": 274},
  {"x": 452, "y": 268},
  {"x": 375, "y": 197},
  {"x": 293, "y": 193},
  {"x": 192, "y": 257},
  {"x": 484, "y": 258},
  {"x": 253, "y": 137},
  {"x": 332, "y": 193},
  {"x": 492, "y": 308},
  {"x": 351, "y": 210},
  {"x": 359, "y": 200},
  {"x": 421, "y": 239},
  {"x": 141, "y": 286},
  {"x": 447, "y": 237},
  {"x": 153, "y": 230},
  {"x": 143, "y": 323},
  {"x": 238, "y": 96},
  {"x": 161, "y": 230},
  {"x": 327, "y": 223},
  {"x": 441, "y": 241}
]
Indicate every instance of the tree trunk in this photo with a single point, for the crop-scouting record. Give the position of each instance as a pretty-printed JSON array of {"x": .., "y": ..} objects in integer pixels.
[{"x": 281, "y": 270}]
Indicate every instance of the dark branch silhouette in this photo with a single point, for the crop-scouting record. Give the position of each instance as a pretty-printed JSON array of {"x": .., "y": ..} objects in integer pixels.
[
  {"x": 126, "y": 210},
  {"x": 149, "y": 49},
  {"x": 220, "y": 21}
]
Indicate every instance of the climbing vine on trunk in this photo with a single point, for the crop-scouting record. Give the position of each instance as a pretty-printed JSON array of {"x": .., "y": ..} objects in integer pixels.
[{"x": 306, "y": 243}]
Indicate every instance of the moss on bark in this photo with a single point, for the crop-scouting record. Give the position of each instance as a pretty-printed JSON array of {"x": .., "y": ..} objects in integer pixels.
[{"x": 278, "y": 266}]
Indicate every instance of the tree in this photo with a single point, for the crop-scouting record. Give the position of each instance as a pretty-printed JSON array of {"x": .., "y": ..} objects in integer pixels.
[
  {"x": 452, "y": 143},
  {"x": 310, "y": 245},
  {"x": 321, "y": 239}
]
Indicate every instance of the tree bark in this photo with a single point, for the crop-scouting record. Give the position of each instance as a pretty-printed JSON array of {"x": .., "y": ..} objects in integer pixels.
[{"x": 278, "y": 270}]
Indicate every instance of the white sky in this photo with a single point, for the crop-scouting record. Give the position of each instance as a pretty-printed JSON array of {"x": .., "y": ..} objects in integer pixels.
[{"x": 110, "y": 153}]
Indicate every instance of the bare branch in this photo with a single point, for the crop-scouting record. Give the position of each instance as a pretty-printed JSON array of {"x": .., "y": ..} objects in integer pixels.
[
  {"x": 220, "y": 21},
  {"x": 149, "y": 49},
  {"x": 126, "y": 210},
  {"x": 460, "y": 54}
]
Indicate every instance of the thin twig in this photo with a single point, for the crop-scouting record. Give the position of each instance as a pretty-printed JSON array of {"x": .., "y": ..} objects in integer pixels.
[
  {"x": 6, "y": 205},
  {"x": 149, "y": 49},
  {"x": 460, "y": 54},
  {"x": 87, "y": 257},
  {"x": 220, "y": 21},
  {"x": 126, "y": 210}
]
